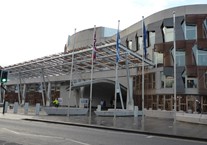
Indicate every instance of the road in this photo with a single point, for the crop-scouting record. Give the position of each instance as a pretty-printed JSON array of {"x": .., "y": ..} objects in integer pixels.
[{"x": 20, "y": 132}]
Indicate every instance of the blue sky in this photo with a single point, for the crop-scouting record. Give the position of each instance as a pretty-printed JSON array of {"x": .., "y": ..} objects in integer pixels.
[{"x": 30, "y": 29}]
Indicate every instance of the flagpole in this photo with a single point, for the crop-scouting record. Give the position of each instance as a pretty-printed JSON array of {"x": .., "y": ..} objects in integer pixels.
[
  {"x": 71, "y": 74},
  {"x": 91, "y": 86},
  {"x": 174, "y": 44},
  {"x": 143, "y": 71},
  {"x": 117, "y": 61}
]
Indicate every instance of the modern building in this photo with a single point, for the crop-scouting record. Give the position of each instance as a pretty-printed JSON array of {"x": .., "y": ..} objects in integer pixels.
[{"x": 53, "y": 72}]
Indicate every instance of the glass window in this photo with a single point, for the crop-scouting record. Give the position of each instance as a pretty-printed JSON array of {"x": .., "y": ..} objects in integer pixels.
[
  {"x": 200, "y": 55},
  {"x": 158, "y": 58},
  {"x": 151, "y": 39},
  {"x": 192, "y": 83},
  {"x": 168, "y": 34},
  {"x": 169, "y": 82},
  {"x": 166, "y": 81},
  {"x": 137, "y": 43},
  {"x": 190, "y": 31},
  {"x": 180, "y": 57},
  {"x": 202, "y": 58},
  {"x": 140, "y": 42},
  {"x": 130, "y": 45}
]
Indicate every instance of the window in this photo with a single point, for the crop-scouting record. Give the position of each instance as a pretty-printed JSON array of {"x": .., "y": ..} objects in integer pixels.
[
  {"x": 168, "y": 34},
  {"x": 190, "y": 31},
  {"x": 189, "y": 82},
  {"x": 151, "y": 39},
  {"x": 140, "y": 42},
  {"x": 169, "y": 81},
  {"x": 166, "y": 81},
  {"x": 137, "y": 43},
  {"x": 180, "y": 57},
  {"x": 200, "y": 55},
  {"x": 158, "y": 58},
  {"x": 130, "y": 45},
  {"x": 192, "y": 82}
]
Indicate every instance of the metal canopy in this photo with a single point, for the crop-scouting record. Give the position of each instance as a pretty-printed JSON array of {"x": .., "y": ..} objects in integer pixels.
[{"x": 59, "y": 64}]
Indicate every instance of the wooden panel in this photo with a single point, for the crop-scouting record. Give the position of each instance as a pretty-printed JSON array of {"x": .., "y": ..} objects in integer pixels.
[{"x": 191, "y": 70}]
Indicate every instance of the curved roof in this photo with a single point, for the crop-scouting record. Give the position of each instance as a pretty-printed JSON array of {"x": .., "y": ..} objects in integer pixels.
[{"x": 167, "y": 13}]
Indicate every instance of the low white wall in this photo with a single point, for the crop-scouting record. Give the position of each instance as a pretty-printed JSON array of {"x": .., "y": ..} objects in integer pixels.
[
  {"x": 192, "y": 118},
  {"x": 159, "y": 113}
]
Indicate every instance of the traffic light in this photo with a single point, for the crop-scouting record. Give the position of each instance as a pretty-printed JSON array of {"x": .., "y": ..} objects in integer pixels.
[{"x": 4, "y": 75}]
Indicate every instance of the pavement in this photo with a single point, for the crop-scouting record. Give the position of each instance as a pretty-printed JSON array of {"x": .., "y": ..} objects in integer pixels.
[{"x": 149, "y": 125}]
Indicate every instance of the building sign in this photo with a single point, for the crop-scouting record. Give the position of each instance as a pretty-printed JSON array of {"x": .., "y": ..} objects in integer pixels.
[{"x": 83, "y": 103}]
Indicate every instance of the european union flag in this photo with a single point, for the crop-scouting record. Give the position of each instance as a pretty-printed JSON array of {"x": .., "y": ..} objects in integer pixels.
[{"x": 144, "y": 40}]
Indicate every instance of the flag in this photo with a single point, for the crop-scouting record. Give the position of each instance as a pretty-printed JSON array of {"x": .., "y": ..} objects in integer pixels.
[
  {"x": 144, "y": 40},
  {"x": 94, "y": 45},
  {"x": 117, "y": 45}
]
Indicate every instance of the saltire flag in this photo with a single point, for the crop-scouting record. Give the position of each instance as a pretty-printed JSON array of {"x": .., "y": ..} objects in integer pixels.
[
  {"x": 144, "y": 40},
  {"x": 117, "y": 46},
  {"x": 94, "y": 45}
]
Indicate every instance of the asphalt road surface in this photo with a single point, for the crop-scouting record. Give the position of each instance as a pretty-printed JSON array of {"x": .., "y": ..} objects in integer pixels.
[{"x": 20, "y": 132}]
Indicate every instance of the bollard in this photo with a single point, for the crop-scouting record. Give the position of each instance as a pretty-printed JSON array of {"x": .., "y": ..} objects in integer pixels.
[
  {"x": 6, "y": 107},
  {"x": 26, "y": 108},
  {"x": 15, "y": 107},
  {"x": 37, "y": 109},
  {"x": 135, "y": 111}
]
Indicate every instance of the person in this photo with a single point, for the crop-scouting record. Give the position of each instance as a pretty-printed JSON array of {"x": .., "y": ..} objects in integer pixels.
[
  {"x": 56, "y": 103},
  {"x": 102, "y": 103},
  {"x": 199, "y": 108}
]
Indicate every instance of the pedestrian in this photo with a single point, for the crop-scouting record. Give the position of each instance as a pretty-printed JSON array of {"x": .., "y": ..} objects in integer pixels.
[
  {"x": 56, "y": 103},
  {"x": 102, "y": 103}
]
